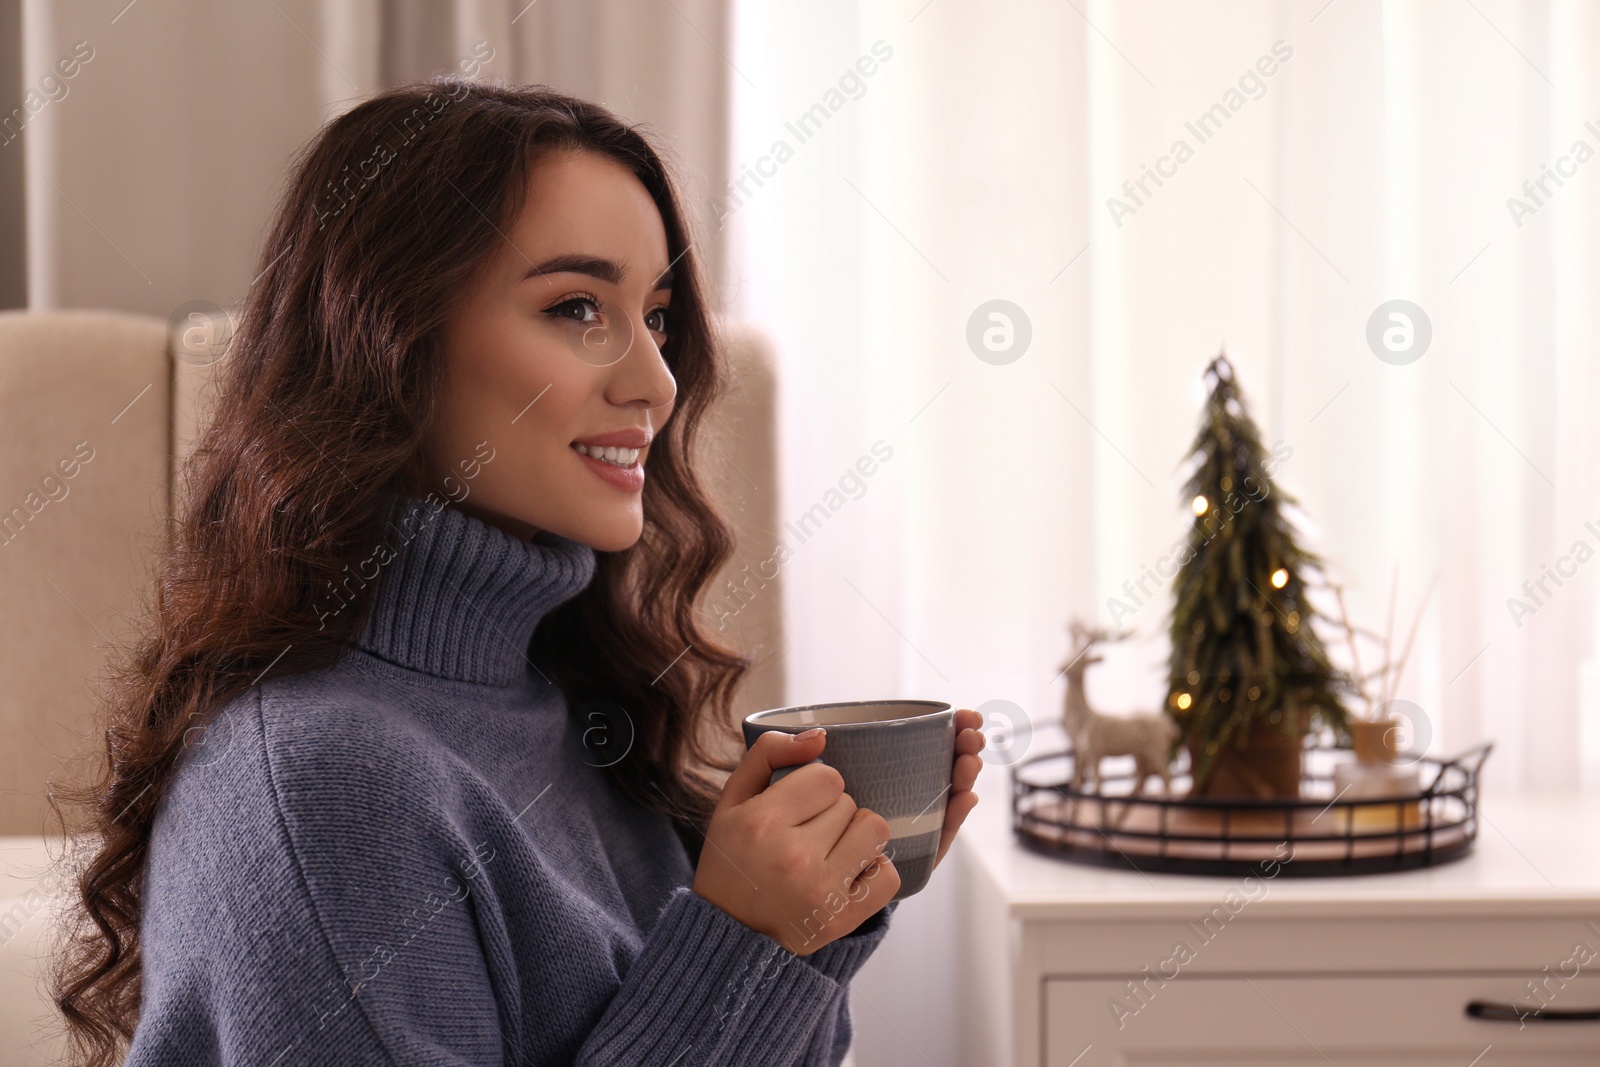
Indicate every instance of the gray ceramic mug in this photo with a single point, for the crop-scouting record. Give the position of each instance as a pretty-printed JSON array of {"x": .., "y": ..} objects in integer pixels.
[{"x": 895, "y": 757}]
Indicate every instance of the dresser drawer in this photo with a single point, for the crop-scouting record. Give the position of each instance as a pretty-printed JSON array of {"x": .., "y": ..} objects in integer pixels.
[{"x": 1308, "y": 1020}]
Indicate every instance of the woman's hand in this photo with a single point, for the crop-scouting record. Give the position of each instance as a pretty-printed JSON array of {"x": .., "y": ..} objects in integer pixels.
[
  {"x": 797, "y": 861},
  {"x": 963, "y": 776}
]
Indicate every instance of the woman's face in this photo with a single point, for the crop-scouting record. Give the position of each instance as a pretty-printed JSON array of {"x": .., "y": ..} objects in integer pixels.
[{"x": 559, "y": 346}]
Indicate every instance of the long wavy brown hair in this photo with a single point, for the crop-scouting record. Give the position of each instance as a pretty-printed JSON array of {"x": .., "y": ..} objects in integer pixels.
[{"x": 325, "y": 397}]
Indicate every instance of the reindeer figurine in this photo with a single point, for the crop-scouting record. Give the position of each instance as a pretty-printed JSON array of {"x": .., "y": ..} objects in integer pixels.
[{"x": 1147, "y": 737}]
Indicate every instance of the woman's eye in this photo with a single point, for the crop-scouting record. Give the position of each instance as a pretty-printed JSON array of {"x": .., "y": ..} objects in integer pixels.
[
  {"x": 657, "y": 320},
  {"x": 578, "y": 309}
]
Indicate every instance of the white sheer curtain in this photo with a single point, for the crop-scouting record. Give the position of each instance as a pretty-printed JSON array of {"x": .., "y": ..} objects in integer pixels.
[{"x": 1373, "y": 162}]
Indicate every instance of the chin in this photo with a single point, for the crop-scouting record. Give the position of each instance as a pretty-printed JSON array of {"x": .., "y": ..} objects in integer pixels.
[{"x": 605, "y": 536}]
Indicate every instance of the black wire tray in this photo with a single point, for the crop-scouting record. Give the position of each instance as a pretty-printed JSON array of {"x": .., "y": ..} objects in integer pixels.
[{"x": 1317, "y": 835}]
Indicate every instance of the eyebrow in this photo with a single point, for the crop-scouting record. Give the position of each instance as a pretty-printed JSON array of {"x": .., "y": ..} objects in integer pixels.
[{"x": 607, "y": 270}]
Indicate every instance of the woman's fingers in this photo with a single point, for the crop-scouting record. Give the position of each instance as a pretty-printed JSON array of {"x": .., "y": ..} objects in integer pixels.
[
  {"x": 804, "y": 794},
  {"x": 870, "y": 875},
  {"x": 964, "y": 775},
  {"x": 955, "y": 813},
  {"x": 863, "y": 838},
  {"x": 875, "y": 886},
  {"x": 772, "y": 750},
  {"x": 830, "y": 824}
]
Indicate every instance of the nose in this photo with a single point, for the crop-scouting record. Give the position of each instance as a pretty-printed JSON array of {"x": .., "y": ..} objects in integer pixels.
[{"x": 641, "y": 378}]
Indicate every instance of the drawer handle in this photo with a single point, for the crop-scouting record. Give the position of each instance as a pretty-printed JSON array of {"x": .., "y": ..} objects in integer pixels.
[{"x": 1508, "y": 1013}]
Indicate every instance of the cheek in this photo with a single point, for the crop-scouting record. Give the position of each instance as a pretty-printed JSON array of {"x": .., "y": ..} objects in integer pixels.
[
  {"x": 493, "y": 370},
  {"x": 500, "y": 367},
  {"x": 510, "y": 353}
]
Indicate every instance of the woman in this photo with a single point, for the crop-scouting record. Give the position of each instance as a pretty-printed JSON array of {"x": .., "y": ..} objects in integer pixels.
[{"x": 419, "y": 760}]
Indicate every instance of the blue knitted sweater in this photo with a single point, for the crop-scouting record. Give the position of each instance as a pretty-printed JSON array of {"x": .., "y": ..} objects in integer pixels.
[{"x": 411, "y": 858}]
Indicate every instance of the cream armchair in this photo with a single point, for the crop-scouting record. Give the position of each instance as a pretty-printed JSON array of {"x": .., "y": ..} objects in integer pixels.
[{"x": 95, "y": 417}]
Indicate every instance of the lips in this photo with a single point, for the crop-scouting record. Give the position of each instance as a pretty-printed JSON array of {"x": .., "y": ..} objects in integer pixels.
[
  {"x": 629, "y": 478},
  {"x": 629, "y": 438},
  {"x": 625, "y": 446}
]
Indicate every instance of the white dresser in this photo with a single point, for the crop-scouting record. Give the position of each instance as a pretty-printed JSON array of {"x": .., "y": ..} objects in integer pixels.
[{"x": 1065, "y": 965}]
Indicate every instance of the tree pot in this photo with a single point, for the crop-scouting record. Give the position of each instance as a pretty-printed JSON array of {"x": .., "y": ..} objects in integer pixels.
[{"x": 1267, "y": 767}]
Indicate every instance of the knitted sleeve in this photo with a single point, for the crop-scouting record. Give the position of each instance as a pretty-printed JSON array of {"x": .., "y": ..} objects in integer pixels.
[{"x": 709, "y": 990}]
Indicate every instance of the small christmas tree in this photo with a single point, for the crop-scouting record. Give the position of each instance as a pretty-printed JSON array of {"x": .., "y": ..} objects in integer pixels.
[{"x": 1250, "y": 676}]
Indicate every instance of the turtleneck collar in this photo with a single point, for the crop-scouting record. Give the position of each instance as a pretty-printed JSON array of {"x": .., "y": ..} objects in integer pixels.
[{"x": 458, "y": 598}]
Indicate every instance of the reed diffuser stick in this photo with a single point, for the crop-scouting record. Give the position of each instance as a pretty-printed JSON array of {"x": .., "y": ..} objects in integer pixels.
[
  {"x": 1394, "y": 686},
  {"x": 1355, "y": 657},
  {"x": 1388, "y": 630}
]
